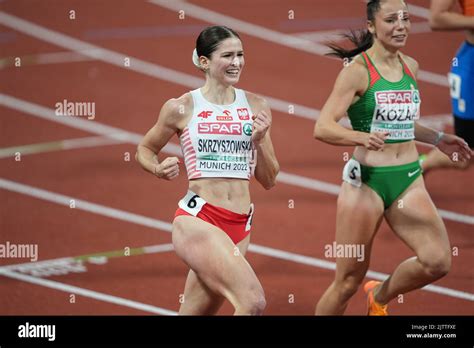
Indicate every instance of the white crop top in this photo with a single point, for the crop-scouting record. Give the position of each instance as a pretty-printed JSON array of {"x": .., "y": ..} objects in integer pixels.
[{"x": 217, "y": 140}]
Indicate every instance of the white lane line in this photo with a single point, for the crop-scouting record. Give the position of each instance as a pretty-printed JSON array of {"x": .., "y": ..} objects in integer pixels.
[
  {"x": 311, "y": 261},
  {"x": 68, "y": 144},
  {"x": 337, "y": 34},
  {"x": 58, "y": 262},
  {"x": 45, "y": 58},
  {"x": 318, "y": 185},
  {"x": 420, "y": 28},
  {"x": 137, "y": 65},
  {"x": 414, "y": 10},
  {"x": 71, "y": 289},
  {"x": 79, "y": 123},
  {"x": 419, "y": 11},
  {"x": 59, "y": 57},
  {"x": 241, "y": 26},
  {"x": 266, "y": 34},
  {"x": 155, "y": 70},
  {"x": 308, "y": 183},
  {"x": 164, "y": 226},
  {"x": 93, "y": 51},
  {"x": 135, "y": 138},
  {"x": 84, "y": 205},
  {"x": 322, "y": 35}
]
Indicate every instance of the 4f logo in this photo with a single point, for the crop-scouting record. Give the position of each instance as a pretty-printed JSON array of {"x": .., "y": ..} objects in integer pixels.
[
  {"x": 243, "y": 114},
  {"x": 205, "y": 114}
]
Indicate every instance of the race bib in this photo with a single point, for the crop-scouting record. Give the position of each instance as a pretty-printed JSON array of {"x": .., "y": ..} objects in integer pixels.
[
  {"x": 395, "y": 112},
  {"x": 224, "y": 147},
  {"x": 352, "y": 173},
  {"x": 455, "y": 85},
  {"x": 191, "y": 203}
]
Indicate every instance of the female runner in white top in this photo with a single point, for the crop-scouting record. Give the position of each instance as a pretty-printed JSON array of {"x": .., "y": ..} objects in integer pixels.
[{"x": 218, "y": 187}]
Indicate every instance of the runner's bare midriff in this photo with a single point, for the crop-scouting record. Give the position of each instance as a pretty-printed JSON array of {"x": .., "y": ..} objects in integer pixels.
[
  {"x": 391, "y": 155},
  {"x": 227, "y": 193}
]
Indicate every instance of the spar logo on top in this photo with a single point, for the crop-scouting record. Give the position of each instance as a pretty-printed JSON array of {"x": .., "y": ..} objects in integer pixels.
[
  {"x": 397, "y": 106},
  {"x": 228, "y": 128},
  {"x": 397, "y": 97},
  {"x": 395, "y": 112}
]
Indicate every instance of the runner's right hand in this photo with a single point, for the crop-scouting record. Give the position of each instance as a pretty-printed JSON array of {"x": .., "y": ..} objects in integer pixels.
[
  {"x": 375, "y": 141},
  {"x": 168, "y": 169}
]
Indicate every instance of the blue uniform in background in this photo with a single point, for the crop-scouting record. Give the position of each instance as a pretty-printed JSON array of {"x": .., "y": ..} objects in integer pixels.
[{"x": 461, "y": 80}]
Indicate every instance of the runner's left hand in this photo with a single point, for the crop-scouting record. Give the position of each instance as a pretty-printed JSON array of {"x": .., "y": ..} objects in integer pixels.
[
  {"x": 261, "y": 123},
  {"x": 455, "y": 147}
]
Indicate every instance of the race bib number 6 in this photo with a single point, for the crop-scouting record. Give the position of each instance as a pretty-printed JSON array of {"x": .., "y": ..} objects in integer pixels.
[{"x": 191, "y": 203}]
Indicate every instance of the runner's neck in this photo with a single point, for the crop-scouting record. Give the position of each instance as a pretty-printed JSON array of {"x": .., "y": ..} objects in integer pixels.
[
  {"x": 217, "y": 93},
  {"x": 380, "y": 55}
]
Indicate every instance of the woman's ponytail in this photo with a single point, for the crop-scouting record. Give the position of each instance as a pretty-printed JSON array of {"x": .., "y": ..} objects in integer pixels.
[{"x": 362, "y": 39}]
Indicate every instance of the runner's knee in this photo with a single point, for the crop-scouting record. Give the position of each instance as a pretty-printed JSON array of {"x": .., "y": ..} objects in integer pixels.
[
  {"x": 348, "y": 286},
  {"x": 252, "y": 301},
  {"x": 437, "y": 262}
]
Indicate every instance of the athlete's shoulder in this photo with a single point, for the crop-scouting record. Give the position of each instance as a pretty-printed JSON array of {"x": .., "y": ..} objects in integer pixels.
[
  {"x": 354, "y": 74},
  {"x": 357, "y": 66},
  {"x": 256, "y": 101},
  {"x": 411, "y": 62},
  {"x": 180, "y": 106},
  {"x": 176, "y": 111}
]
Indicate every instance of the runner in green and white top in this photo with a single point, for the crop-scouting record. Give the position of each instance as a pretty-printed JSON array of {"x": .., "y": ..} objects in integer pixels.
[
  {"x": 378, "y": 89},
  {"x": 387, "y": 106}
]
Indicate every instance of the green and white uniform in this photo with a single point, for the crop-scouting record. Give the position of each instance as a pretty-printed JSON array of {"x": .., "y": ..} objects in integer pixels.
[{"x": 386, "y": 107}]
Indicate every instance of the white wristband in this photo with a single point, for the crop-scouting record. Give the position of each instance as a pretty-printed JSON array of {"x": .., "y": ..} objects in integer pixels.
[{"x": 438, "y": 138}]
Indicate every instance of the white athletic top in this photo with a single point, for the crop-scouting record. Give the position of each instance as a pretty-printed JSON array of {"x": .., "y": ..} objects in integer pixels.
[{"x": 216, "y": 142}]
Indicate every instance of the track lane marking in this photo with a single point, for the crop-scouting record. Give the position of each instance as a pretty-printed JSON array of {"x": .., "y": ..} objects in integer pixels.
[
  {"x": 71, "y": 289},
  {"x": 295, "y": 42},
  {"x": 164, "y": 226},
  {"x": 154, "y": 70},
  {"x": 135, "y": 138}
]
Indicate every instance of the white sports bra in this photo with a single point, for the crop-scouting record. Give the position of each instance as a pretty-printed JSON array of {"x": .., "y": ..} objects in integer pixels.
[{"x": 217, "y": 140}]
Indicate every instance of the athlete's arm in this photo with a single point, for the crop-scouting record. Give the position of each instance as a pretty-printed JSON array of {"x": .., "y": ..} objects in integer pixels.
[
  {"x": 453, "y": 146},
  {"x": 267, "y": 164},
  {"x": 156, "y": 138},
  {"x": 427, "y": 135},
  {"x": 441, "y": 17},
  {"x": 447, "y": 143},
  {"x": 352, "y": 80},
  {"x": 422, "y": 133}
]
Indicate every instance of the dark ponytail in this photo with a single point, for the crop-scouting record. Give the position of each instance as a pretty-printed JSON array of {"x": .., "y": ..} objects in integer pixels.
[{"x": 362, "y": 39}]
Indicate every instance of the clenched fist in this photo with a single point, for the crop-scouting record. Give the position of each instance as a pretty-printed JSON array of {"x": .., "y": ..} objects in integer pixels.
[
  {"x": 168, "y": 169},
  {"x": 375, "y": 141},
  {"x": 261, "y": 123}
]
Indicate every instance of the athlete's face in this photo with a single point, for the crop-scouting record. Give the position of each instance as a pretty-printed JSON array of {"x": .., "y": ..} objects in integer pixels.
[
  {"x": 227, "y": 61},
  {"x": 392, "y": 24}
]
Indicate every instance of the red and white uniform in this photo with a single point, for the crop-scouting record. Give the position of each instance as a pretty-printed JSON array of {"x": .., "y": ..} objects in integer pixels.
[
  {"x": 217, "y": 143},
  {"x": 217, "y": 140}
]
